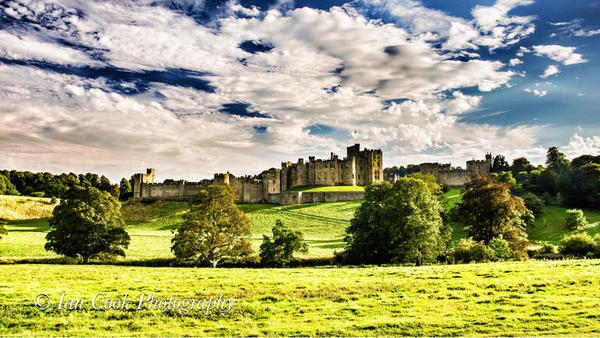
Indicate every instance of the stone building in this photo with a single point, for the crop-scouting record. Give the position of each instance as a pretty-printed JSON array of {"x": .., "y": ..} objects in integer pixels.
[
  {"x": 446, "y": 174},
  {"x": 359, "y": 167}
]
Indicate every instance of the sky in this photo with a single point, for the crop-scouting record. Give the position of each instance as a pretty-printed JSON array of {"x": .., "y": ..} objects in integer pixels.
[{"x": 195, "y": 87}]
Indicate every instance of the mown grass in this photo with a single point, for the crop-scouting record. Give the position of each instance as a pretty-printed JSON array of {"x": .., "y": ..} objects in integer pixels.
[
  {"x": 328, "y": 188},
  {"x": 535, "y": 298}
]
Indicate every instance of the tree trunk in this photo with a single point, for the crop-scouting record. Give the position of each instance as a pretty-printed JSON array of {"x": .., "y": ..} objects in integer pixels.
[{"x": 214, "y": 262}]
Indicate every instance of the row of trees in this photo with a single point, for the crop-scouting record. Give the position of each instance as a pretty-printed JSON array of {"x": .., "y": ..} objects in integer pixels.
[
  {"x": 42, "y": 184},
  {"x": 88, "y": 224},
  {"x": 406, "y": 223},
  {"x": 573, "y": 183}
]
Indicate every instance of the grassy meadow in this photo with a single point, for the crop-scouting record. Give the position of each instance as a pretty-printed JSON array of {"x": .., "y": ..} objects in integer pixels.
[
  {"x": 150, "y": 225},
  {"x": 557, "y": 298}
]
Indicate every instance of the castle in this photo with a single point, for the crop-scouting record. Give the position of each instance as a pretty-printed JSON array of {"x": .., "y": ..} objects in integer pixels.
[
  {"x": 446, "y": 174},
  {"x": 358, "y": 168}
]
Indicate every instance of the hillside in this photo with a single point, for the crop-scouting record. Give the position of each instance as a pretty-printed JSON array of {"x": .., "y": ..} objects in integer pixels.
[
  {"x": 534, "y": 298},
  {"x": 24, "y": 207}
]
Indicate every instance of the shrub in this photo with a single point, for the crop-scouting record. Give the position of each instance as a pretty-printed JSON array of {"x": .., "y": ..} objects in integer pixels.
[
  {"x": 467, "y": 250},
  {"x": 547, "y": 248},
  {"x": 578, "y": 245},
  {"x": 501, "y": 248},
  {"x": 533, "y": 203},
  {"x": 279, "y": 250},
  {"x": 575, "y": 219}
]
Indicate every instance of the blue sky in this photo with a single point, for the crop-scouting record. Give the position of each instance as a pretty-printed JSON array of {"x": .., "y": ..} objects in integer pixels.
[{"x": 195, "y": 87}]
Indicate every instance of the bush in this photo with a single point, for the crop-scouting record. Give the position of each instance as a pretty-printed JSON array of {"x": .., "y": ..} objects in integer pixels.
[
  {"x": 575, "y": 219},
  {"x": 533, "y": 203},
  {"x": 467, "y": 250},
  {"x": 501, "y": 248},
  {"x": 547, "y": 248},
  {"x": 445, "y": 188},
  {"x": 279, "y": 251},
  {"x": 578, "y": 245}
]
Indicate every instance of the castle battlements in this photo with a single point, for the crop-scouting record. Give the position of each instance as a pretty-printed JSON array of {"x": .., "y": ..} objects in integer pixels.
[
  {"x": 357, "y": 168},
  {"x": 446, "y": 174}
]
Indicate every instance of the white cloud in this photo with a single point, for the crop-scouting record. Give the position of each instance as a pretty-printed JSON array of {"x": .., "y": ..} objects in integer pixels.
[
  {"x": 536, "y": 92},
  {"x": 77, "y": 122},
  {"x": 563, "y": 54},
  {"x": 551, "y": 70},
  {"x": 578, "y": 146},
  {"x": 514, "y": 61}
]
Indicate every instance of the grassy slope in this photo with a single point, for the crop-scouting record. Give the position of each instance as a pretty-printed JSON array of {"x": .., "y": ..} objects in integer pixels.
[
  {"x": 21, "y": 208},
  {"x": 515, "y": 298},
  {"x": 329, "y": 188},
  {"x": 323, "y": 225}
]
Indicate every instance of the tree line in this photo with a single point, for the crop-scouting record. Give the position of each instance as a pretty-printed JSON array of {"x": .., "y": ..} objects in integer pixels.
[{"x": 45, "y": 184}]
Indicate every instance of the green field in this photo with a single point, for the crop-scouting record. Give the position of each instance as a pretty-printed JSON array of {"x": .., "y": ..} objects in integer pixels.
[
  {"x": 323, "y": 224},
  {"x": 150, "y": 225},
  {"x": 557, "y": 298},
  {"x": 25, "y": 207},
  {"x": 328, "y": 188}
]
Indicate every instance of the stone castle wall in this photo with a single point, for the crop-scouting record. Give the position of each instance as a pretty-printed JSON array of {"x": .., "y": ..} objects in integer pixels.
[
  {"x": 446, "y": 174},
  {"x": 357, "y": 168}
]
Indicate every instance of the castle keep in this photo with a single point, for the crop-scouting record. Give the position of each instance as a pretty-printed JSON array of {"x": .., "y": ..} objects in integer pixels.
[
  {"x": 446, "y": 174},
  {"x": 358, "y": 168}
]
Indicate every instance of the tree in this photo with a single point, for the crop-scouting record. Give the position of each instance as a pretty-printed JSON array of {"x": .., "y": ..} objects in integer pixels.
[
  {"x": 105, "y": 184},
  {"x": 499, "y": 164},
  {"x": 547, "y": 181},
  {"x": 489, "y": 210},
  {"x": 533, "y": 203},
  {"x": 87, "y": 223},
  {"x": 124, "y": 189},
  {"x": 555, "y": 160},
  {"x": 430, "y": 181},
  {"x": 2, "y": 229},
  {"x": 6, "y": 186},
  {"x": 398, "y": 223},
  {"x": 213, "y": 228},
  {"x": 279, "y": 251},
  {"x": 575, "y": 219},
  {"x": 521, "y": 164}
]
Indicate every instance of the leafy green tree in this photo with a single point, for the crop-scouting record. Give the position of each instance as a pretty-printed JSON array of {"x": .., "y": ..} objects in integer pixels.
[
  {"x": 214, "y": 228},
  {"x": 521, "y": 164},
  {"x": 533, "y": 203},
  {"x": 279, "y": 250},
  {"x": 125, "y": 189},
  {"x": 87, "y": 223},
  {"x": 430, "y": 181},
  {"x": 501, "y": 247},
  {"x": 499, "y": 164},
  {"x": 547, "y": 181},
  {"x": 505, "y": 177},
  {"x": 555, "y": 160},
  {"x": 105, "y": 184},
  {"x": 489, "y": 210},
  {"x": 575, "y": 219},
  {"x": 398, "y": 223},
  {"x": 2, "y": 229},
  {"x": 6, "y": 186}
]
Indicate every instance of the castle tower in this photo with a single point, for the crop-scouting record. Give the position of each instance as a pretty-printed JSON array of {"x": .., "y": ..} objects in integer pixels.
[{"x": 140, "y": 179}]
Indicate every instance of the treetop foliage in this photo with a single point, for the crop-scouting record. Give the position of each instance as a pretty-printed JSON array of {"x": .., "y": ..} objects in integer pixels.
[
  {"x": 86, "y": 223},
  {"x": 214, "y": 229},
  {"x": 279, "y": 250}
]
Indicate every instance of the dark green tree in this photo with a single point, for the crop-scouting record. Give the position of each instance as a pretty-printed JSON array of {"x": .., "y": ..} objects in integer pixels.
[
  {"x": 6, "y": 186},
  {"x": 214, "y": 229},
  {"x": 489, "y": 210},
  {"x": 125, "y": 189},
  {"x": 499, "y": 164},
  {"x": 279, "y": 250},
  {"x": 105, "y": 184},
  {"x": 87, "y": 223},
  {"x": 398, "y": 223},
  {"x": 2, "y": 229},
  {"x": 521, "y": 164},
  {"x": 555, "y": 160}
]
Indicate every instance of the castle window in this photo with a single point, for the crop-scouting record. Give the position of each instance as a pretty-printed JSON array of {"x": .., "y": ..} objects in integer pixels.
[
  {"x": 319, "y": 176},
  {"x": 325, "y": 176}
]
